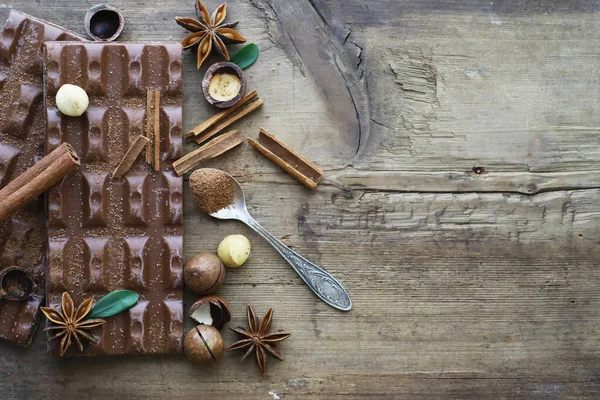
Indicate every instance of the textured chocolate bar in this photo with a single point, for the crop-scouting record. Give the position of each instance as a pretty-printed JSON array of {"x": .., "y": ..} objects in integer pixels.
[
  {"x": 107, "y": 234},
  {"x": 23, "y": 238}
]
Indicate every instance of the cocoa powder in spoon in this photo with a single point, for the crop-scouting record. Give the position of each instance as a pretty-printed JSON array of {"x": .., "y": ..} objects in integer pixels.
[{"x": 213, "y": 189}]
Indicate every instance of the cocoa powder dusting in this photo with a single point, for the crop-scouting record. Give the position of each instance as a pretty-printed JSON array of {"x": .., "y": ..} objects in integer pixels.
[
  {"x": 16, "y": 289},
  {"x": 212, "y": 189}
]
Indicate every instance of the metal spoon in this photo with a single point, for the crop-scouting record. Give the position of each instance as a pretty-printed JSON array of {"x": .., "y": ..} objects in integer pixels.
[{"x": 321, "y": 282}]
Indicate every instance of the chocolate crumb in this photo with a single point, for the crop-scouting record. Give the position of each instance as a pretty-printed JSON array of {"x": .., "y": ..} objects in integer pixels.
[{"x": 213, "y": 189}]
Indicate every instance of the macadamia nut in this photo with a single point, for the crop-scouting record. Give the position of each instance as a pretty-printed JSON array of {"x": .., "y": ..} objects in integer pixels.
[
  {"x": 72, "y": 100},
  {"x": 234, "y": 250}
]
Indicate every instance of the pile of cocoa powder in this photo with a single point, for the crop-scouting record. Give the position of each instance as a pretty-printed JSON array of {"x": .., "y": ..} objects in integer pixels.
[{"x": 213, "y": 190}]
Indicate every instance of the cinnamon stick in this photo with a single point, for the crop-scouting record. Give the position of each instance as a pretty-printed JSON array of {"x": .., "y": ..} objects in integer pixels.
[
  {"x": 150, "y": 125},
  {"x": 250, "y": 96},
  {"x": 130, "y": 156},
  {"x": 291, "y": 162},
  {"x": 247, "y": 109},
  {"x": 212, "y": 149},
  {"x": 49, "y": 171},
  {"x": 156, "y": 130}
]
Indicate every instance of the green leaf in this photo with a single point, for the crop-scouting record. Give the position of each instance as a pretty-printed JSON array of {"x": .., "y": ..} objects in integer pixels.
[
  {"x": 114, "y": 303},
  {"x": 246, "y": 56}
]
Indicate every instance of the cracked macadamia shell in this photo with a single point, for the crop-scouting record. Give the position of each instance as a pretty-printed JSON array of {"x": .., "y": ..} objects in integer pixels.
[
  {"x": 211, "y": 310},
  {"x": 204, "y": 273},
  {"x": 219, "y": 70},
  {"x": 16, "y": 284},
  {"x": 203, "y": 345}
]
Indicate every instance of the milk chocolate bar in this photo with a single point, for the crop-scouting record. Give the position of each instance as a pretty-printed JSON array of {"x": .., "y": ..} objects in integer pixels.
[
  {"x": 110, "y": 233},
  {"x": 23, "y": 237}
]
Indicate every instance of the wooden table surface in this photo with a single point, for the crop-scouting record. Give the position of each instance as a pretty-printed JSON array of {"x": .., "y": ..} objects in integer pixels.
[{"x": 460, "y": 207}]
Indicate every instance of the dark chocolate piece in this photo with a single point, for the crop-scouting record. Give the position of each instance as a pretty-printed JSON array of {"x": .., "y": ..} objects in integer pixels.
[
  {"x": 23, "y": 238},
  {"x": 107, "y": 234}
]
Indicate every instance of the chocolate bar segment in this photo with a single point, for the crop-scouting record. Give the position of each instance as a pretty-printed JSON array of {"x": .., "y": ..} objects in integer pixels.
[
  {"x": 23, "y": 238},
  {"x": 107, "y": 234}
]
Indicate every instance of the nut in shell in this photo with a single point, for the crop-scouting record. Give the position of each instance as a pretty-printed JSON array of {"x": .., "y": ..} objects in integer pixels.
[
  {"x": 211, "y": 310},
  {"x": 203, "y": 345},
  {"x": 16, "y": 284},
  {"x": 103, "y": 23},
  {"x": 204, "y": 273},
  {"x": 224, "y": 84}
]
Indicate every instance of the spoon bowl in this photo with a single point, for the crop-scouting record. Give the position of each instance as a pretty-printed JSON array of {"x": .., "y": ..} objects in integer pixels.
[
  {"x": 237, "y": 209},
  {"x": 325, "y": 286}
]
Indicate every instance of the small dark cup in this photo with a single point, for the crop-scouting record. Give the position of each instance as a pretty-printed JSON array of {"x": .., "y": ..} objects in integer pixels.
[
  {"x": 103, "y": 23},
  {"x": 16, "y": 284}
]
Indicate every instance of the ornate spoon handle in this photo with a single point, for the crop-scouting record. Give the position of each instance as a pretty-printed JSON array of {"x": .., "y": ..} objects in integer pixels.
[{"x": 321, "y": 282}]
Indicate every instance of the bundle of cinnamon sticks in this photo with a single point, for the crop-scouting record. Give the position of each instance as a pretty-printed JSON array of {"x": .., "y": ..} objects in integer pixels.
[
  {"x": 269, "y": 145},
  {"x": 213, "y": 126},
  {"x": 49, "y": 171}
]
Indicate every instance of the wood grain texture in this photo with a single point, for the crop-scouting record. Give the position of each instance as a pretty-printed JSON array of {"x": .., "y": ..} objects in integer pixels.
[{"x": 464, "y": 285}]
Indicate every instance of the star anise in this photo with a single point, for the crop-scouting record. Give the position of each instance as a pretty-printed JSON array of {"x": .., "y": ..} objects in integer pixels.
[
  {"x": 71, "y": 323},
  {"x": 259, "y": 339},
  {"x": 209, "y": 32}
]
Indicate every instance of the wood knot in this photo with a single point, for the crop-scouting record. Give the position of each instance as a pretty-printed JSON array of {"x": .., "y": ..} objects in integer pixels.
[{"x": 532, "y": 188}]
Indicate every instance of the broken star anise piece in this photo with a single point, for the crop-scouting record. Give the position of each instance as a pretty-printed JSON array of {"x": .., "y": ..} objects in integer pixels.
[
  {"x": 209, "y": 32},
  {"x": 259, "y": 339},
  {"x": 70, "y": 323}
]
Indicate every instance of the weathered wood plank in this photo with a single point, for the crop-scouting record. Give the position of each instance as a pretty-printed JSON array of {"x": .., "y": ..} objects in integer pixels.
[
  {"x": 483, "y": 92},
  {"x": 390, "y": 12},
  {"x": 474, "y": 180},
  {"x": 478, "y": 289}
]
